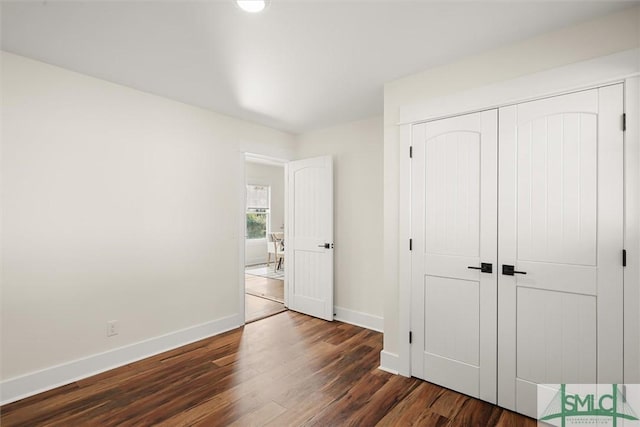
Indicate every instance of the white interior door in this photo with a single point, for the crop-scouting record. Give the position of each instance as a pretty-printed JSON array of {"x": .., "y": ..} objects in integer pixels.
[
  {"x": 309, "y": 236},
  {"x": 560, "y": 227},
  {"x": 454, "y": 210}
]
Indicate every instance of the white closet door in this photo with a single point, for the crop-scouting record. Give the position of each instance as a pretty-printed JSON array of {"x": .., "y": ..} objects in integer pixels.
[
  {"x": 560, "y": 222},
  {"x": 454, "y": 209},
  {"x": 309, "y": 237}
]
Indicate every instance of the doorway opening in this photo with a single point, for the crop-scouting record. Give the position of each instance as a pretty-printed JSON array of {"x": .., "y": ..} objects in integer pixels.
[{"x": 264, "y": 260}]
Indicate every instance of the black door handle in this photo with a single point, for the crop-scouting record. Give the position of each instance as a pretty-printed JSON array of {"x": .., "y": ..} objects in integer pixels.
[
  {"x": 509, "y": 270},
  {"x": 326, "y": 246},
  {"x": 485, "y": 267}
]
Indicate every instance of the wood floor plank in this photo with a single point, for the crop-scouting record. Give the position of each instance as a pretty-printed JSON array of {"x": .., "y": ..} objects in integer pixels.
[
  {"x": 511, "y": 419},
  {"x": 394, "y": 390},
  {"x": 352, "y": 399},
  {"x": 448, "y": 403},
  {"x": 475, "y": 412},
  {"x": 285, "y": 370},
  {"x": 259, "y": 417},
  {"x": 409, "y": 409}
]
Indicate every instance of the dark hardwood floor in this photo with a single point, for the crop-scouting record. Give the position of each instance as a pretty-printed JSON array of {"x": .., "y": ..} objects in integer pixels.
[{"x": 285, "y": 370}]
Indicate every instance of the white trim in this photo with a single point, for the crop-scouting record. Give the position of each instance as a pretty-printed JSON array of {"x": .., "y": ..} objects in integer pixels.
[
  {"x": 242, "y": 233},
  {"x": 619, "y": 67},
  {"x": 37, "y": 382},
  {"x": 264, "y": 160},
  {"x": 404, "y": 261},
  {"x": 389, "y": 362},
  {"x": 581, "y": 75},
  {"x": 632, "y": 233},
  {"x": 358, "y": 318},
  {"x": 287, "y": 248}
]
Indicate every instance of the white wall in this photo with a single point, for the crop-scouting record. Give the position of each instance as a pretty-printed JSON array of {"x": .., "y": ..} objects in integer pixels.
[
  {"x": 599, "y": 37},
  {"x": 273, "y": 176},
  {"x": 117, "y": 205},
  {"x": 356, "y": 149}
]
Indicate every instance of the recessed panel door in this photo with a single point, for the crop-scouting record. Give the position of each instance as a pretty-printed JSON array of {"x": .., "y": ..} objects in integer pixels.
[
  {"x": 560, "y": 244},
  {"x": 309, "y": 236},
  {"x": 454, "y": 211}
]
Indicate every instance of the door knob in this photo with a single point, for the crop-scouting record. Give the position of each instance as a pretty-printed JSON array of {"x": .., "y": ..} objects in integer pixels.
[
  {"x": 326, "y": 246},
  {"x": 485, "y": 267},
  {"x": 509, "y": 270}
]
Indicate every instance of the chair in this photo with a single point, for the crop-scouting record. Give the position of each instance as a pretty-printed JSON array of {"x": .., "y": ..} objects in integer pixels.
[{"x": 275, "y": 247}]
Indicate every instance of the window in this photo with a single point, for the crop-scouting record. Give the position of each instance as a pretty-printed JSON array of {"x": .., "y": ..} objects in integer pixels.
[{"x": 257, "y": 211}]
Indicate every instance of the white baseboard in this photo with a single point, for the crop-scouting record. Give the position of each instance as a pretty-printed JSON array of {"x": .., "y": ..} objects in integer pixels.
[
  {"x": 36, "y": 382},
  {"x": 389, "y": 362},
  {"x": 357, "y": 318}
]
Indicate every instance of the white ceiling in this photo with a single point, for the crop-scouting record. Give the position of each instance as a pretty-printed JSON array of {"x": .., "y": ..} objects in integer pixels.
[{"x": 300, "y": 65}]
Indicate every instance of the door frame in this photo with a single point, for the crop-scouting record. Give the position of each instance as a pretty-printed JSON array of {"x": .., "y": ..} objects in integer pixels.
[
  {"x": 622, "y": 67},
  {"x": 242, "y": 228}
]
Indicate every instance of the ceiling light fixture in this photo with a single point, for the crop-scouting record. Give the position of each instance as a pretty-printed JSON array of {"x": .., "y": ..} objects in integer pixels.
[{"x": 252, "y": 6}]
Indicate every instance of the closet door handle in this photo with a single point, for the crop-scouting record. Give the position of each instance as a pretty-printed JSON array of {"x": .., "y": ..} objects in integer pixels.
[
  {"x": 485, "y": 267},
  {"x": 509, "y": 270}
]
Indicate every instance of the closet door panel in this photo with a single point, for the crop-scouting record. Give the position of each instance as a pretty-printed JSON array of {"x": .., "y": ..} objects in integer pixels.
[
  {"x": 557, "y": 176},
  {"x": 560, "y": 189},
  {"x": 454, "y": 179}
]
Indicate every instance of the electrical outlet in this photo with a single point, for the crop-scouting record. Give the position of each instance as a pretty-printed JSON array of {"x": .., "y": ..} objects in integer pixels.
[{"x": 112, "y": 328}]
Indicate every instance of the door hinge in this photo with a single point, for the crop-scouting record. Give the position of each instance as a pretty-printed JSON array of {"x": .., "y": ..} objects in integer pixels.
[
  {"x": 624, "y": 257},
  {"x": 624, "y": 122},
  {"x": 410, "y": 337},
  {"x": 624, "y": 393},
  {"x": 410, "y": 244},
  {"x": 411, "y": 151}
]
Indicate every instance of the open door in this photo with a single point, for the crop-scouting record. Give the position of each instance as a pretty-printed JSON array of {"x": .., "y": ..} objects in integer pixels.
[{"x": 309, "y": 236}]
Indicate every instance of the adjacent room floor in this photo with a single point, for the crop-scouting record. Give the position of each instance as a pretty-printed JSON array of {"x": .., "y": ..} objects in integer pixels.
[
  {"x": 264, "y": 292},
  {"x": 285, "y": 370}
]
